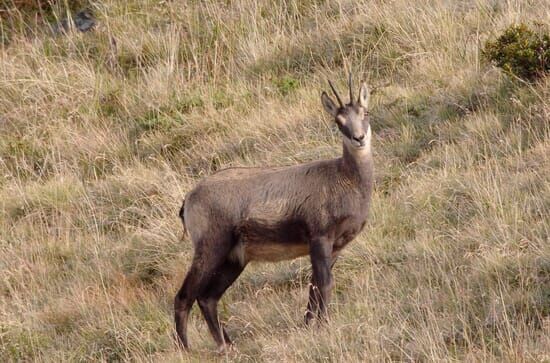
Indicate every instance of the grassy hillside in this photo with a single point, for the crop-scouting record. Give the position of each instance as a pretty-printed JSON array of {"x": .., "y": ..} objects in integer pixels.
[{"x": 102, "y": 134}]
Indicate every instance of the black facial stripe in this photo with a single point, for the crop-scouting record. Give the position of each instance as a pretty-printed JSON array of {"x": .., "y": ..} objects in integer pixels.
[{"x": 344, "y": 130}]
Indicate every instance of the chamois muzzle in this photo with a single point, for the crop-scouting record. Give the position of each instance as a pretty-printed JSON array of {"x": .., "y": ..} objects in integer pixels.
[{"x": 359, "y": 141}]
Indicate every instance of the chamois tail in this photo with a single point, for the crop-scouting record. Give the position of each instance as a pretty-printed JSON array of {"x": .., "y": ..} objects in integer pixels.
[{"x": 182, "y": 217}]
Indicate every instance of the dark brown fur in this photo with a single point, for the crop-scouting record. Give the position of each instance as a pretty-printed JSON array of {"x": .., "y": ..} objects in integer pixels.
[{"x": 239, "y": 215}]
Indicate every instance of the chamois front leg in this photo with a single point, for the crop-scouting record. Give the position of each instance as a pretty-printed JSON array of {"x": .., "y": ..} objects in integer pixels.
[
  {"x": 312, "y": 306},
  {"x": 321, "y": 281}
]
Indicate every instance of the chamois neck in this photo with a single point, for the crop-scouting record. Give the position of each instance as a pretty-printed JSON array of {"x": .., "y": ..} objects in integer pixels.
[{"x": 357, "y": 163}]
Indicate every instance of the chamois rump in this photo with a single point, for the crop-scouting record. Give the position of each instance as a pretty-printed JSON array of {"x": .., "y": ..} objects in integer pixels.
[{"x": 239, "y": 215}]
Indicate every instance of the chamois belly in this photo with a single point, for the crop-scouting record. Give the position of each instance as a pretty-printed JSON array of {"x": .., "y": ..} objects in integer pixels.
[
  {"x": 286, "y": 240},
  {"x": 267, "y": 252},
  {"x": 258, "y": 240},
  {"x": 273, "y": 252}
]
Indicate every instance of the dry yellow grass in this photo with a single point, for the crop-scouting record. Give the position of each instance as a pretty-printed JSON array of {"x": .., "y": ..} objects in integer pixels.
[{"x": 102, "y": 133}]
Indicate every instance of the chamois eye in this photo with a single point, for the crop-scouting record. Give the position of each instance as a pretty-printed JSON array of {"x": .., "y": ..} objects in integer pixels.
[{"x": 366, "y": 115}]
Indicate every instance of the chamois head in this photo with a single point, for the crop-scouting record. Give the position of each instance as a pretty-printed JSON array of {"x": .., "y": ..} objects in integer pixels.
[{"x": 352, "y": 118}]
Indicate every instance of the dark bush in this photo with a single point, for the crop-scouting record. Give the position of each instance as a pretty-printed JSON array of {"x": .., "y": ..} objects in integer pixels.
[
  {"x": 32, "y": 7},
  {"x": 521, "y": 51}
]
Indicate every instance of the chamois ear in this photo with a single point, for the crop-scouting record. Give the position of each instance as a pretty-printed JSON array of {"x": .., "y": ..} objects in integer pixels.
[
  {"x": 329, "y": 105},
  {"x": 363, "y": 99}
]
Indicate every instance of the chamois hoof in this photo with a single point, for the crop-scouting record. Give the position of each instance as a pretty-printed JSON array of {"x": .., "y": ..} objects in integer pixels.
[
  {"x": 308, "y": 317},
  {"x": 179, "y": 344},
  {"x": 227, "y": 348}
]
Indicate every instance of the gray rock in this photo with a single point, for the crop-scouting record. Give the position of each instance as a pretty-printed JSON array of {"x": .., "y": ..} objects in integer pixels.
[{"x": 83, "y": 21}]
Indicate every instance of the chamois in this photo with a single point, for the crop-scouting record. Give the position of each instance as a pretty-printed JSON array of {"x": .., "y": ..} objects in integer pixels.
[{"x": 239, "y": 215}]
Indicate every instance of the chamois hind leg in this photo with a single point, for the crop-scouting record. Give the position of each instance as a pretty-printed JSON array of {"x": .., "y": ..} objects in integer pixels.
[
  {"x": 205, "y": 262},
  {"x": 228, "y": 272}
]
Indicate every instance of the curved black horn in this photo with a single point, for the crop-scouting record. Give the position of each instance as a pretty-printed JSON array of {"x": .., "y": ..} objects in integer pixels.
[
  {"x": 335, "y": 93},
  {"x": 350, "y": 89}
]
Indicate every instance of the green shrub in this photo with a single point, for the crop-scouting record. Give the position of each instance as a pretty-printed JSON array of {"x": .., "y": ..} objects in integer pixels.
[
  {"x": 520, "y": 51},
  {"x": 286, "y": 85},
  {"x": 222, "y": 100}
]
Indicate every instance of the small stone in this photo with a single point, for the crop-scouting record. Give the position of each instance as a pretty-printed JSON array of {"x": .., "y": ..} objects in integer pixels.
[{"x": 83, "y": 21}]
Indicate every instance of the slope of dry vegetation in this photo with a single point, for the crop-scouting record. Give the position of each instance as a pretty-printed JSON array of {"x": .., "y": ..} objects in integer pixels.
[{"x": 102, "y": 133}]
